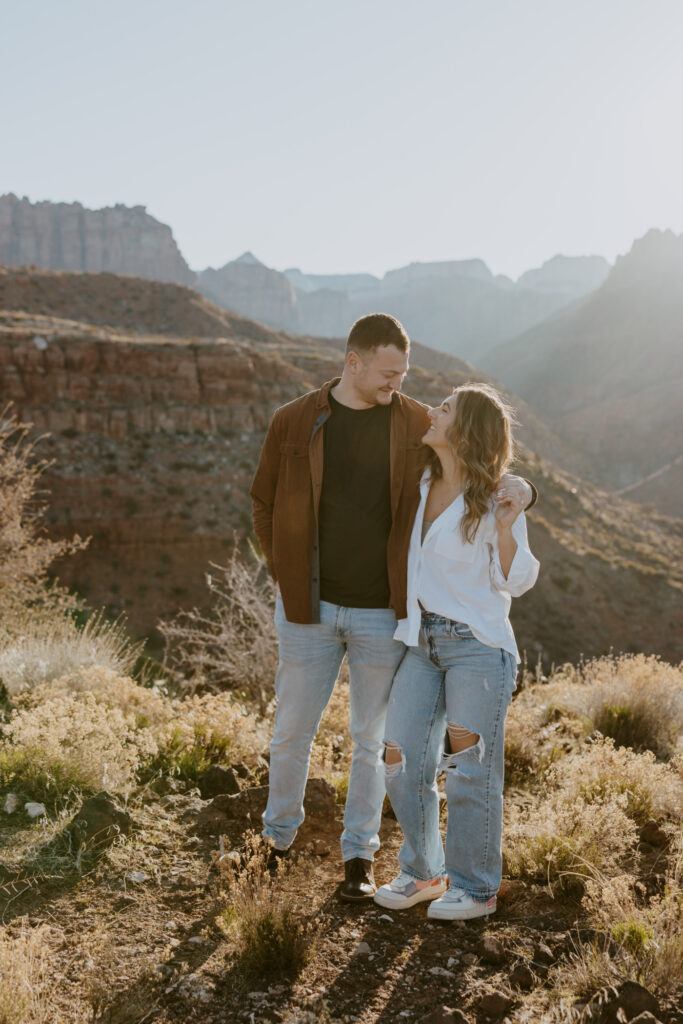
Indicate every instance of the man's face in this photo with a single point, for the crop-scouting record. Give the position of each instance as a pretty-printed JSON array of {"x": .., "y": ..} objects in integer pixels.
[{"x": 376, "y": 375}]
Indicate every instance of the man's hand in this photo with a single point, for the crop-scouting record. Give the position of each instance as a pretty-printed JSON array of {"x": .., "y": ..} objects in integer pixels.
[{"x": 512, "y": 497}]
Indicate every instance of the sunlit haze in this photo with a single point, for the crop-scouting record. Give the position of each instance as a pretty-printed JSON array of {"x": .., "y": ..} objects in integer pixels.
[{"x": 358, "y": 136}]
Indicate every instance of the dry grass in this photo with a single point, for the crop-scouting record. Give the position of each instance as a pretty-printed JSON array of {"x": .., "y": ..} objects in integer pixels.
[
  {"x": 266, "y": 920},
  {"x": 634, "y": 699},
  {"x": 643, "y": 939},
  {"x": 72, "y": 743},
  {"x": 94, "y": 729},
  {"x": 23, "y": 976},
  {"x": 58, "y": 646},
  {"x": 586, "y": 822},
  {"x": 234, "y": 645}
]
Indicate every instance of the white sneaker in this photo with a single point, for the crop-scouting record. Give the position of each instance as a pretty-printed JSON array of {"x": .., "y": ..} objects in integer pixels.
[
  {"x": 406, "y": 891},
  {"x": 456, "y": 905}
]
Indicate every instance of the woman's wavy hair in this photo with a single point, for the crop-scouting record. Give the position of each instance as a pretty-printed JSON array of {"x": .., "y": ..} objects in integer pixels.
[{"x": 481, "y": 439}]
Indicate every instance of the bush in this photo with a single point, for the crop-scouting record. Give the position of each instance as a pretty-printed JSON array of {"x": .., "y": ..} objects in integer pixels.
[
  {"x": 234, "y": 646},
  {"x": 587, "y": 821},
  {"x": 644, "y": 938},
  {"x": 26, "y": 597},
  {"x": 634, "y": 699},
  {"x": 50, "y": 649},
  {"x": 272, "y": 938},
  {"x": 72, "y": 742},
  {"x": 206, "y": 730}
]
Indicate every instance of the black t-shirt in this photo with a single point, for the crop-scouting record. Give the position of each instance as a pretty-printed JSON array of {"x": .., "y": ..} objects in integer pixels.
[{"x": 355, "y": 507}]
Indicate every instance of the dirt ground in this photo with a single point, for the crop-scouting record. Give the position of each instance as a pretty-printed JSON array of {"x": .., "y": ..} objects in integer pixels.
[{"x": 133, "y": 937}]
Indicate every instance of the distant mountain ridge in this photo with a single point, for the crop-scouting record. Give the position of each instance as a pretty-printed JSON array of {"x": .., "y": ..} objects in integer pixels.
[
  {"x": 457, "y": 306},
  {"x": 67, "y": 236}
]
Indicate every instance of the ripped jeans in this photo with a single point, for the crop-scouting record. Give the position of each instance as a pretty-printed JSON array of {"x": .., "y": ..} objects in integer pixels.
[{"x": 451, "y": 684}]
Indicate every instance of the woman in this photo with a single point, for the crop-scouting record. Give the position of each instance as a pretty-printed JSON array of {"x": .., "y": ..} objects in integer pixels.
[{"x": 468, "y": 556}]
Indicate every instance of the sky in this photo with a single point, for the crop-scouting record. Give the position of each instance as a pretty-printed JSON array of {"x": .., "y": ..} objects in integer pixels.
[{"x": 354, "y": 136}]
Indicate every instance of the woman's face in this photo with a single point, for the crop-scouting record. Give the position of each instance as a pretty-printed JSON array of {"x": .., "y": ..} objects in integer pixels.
[{"x": 441, "y": 417}]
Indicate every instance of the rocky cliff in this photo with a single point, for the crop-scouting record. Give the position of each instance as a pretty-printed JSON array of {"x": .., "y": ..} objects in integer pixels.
[
  {"x": 67, "y": 236},
  {"x": 154, "y": 439}
]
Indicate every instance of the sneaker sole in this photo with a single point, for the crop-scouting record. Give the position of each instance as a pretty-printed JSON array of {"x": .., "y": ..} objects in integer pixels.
[
  {"x": 466, "y": 914},
  {"x": 403, "y": 902}
]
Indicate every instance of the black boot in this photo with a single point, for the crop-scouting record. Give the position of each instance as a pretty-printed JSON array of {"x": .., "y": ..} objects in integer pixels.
[{"x": 359, "y": 881}]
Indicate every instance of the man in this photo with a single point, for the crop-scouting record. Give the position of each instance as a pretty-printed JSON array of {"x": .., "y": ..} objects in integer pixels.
[{"x": 334, "y": 499}]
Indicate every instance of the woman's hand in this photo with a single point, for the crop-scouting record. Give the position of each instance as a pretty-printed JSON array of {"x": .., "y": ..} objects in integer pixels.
[{"x": 511, "y": 499}]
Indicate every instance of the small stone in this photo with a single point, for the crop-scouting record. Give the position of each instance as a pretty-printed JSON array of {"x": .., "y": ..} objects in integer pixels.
[
  {"x": 34, "y": 810},
  {"x": 441, "y": 972},
  {"x": 196, "y": 940},
  {"x": 385, "y": 917},
  {"x": 452, "y": 961},
  {"x": 491, "y": 951},
  {"x": 653, "y": 833},
  {"x": 495, "y": 1004},
  {"x": 522, "y": 976},
  {"x": 543, "y": 954},
  {"x": 362, "y": 949},
  {"x": 170, "y": 926},
  {"x": 40, "y": 342},
  {"x": 11, "y": 803},
  {"x": 136, "y": 876}
]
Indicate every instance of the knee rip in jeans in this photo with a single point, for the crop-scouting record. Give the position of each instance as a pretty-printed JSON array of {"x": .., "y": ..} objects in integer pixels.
[
  {"x": 461, "y": 742},
  {"x": 394, "y": 759}
]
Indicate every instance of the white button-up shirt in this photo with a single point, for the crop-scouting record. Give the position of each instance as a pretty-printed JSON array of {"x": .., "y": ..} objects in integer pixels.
[{"x": 462, "y": 581}]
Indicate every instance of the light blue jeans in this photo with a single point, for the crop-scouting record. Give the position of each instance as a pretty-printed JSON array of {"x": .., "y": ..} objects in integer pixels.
[
  {"x": 310, "y": 659},
  {"x": 451, "y": 678}
]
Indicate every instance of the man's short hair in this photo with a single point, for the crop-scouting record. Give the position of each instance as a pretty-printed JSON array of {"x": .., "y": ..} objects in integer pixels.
[{"x": 375, "y": 330}]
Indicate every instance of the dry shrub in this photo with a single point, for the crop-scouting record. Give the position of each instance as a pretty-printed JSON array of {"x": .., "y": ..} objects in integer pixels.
[
  {"x": 50, "y": 649},
  {"x": 234, "y": 645},
  {"x": 265, "y": 918},
  {"x": 145, "y": 706},
  {"x": 649, "y": 932},
  {"x": 635, "y": 699},
  {"x": 587, "y": 820},
  {"x": 643, "y": 939},
  {"x": 26, "y": 597},
  {"x": 23, "y": 976},
  {"x": 205, "y": 730},
  {"x": 72, "y": 742},
  {"x": 536, "y": 736}
]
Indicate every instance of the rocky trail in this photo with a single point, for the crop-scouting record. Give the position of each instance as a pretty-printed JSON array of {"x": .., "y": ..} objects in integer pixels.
[{"x": 133, "y": 934}]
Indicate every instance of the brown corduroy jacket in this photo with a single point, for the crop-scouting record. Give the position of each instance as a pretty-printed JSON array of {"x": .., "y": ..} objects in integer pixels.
[{"x": 286, "y": 496}]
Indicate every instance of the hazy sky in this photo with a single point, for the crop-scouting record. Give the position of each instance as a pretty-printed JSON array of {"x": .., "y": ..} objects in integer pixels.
[{"x": 358, "y": 135}]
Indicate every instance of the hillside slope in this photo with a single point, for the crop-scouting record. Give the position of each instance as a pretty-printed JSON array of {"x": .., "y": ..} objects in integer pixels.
[
  {"x": 155, "y": 438},
  {"x": 607, "y": 374}
]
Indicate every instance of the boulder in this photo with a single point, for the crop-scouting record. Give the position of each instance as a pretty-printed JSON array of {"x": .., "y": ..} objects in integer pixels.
[
  {"x": 490, "y": 950},
  {"x": 628, "y": 1002},
  {"x": 522, "y": 976},
  {"x": 99, "y": 821},
  {"x": 217, "y": 780},
  {"x": 243, "y": 810},
  {"x": 495, "y": 1004}
]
